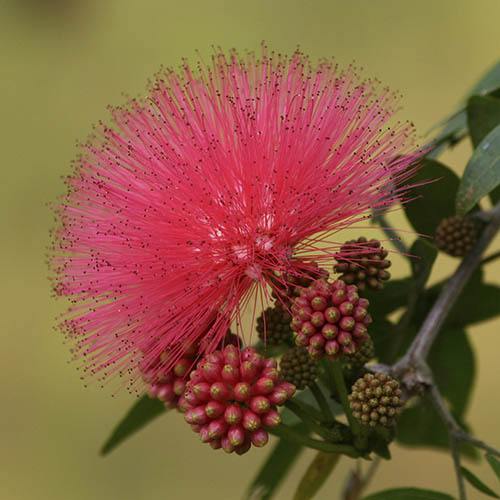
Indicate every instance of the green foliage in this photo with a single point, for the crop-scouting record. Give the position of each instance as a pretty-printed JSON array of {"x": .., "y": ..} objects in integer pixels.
[
  {"x": 494, "y": 463},
  {"x": 141, "y": 414},
  {"x": 277, "y": 465},
  {"x": 477, "y": 483},
  {"x": 316, "y": 475},
  {"x": 408, "y": 494},
  {"x": 483, "y": 115},
  {"x": 434, "y": 201}
]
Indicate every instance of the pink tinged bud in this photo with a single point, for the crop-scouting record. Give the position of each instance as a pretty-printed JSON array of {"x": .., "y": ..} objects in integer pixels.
[
  {"x": 233, "y": 414},
  {"x": 259, "y": 438},
  {"x": 210, "y": 371},
  {"x": 318, "y": 303},
  {"x": 219, "y": 391},
  {"x": 278, "y": 397},
  {"x": 346, "y": 308},
  {"x": 263, "y": 386},
  {"x": 191, "y": 398},
  {"x": 304, "y": 313},
  {"x": 231, "y": 355},
  {"x": 182, "y": 405},
  {"x": 182, "y": 367},
  {"x": 260, "y": 404},
  {"x": 359, "y": 330},
  {"x": 329, "y": 331},
  {"x": 249, "y": 354},
  {"x": 226, "y": 445},
  {"x": 347, "y": 323},
  {"x": 317, "y": 341},
  {"x": 332, "y": 315},
  {"x": 338, "y": 296},
  {"x": 196, "y": 416},
  {"x": 301, "y": 339},
  {"x": 251, "y": 421},
  {"x": 241, "y": 391},
  {"x": 196, "y": 427},
  {"x": 317, "y": 319},
  {"x": 349, "y": 348},
  {"x": 363, "y": 303},
  {"x": 296, "y": 324},
  {"x": 332, "y": 348},
  {"x": 236, "y": 435},
  {"x": 215, "y": 357},
  {"x": 344, "y": 338},
  {"x": 204, "y": 434},
  {"x": 243, "y": 448},
  {"x": 271, "y": 373},
  {"x": 165, "y": 393},
  {"x": 153, "y": 390},
  {"x": 196, "y": 376},
  {"x": 230, "y": 374},
  {"x": 215, "y": 444},
  {"x": 201, "y": 390},
  {"x": 271, "y": 419},
  {"x": 179, "y": 386},
  {"x": 249, "y": 371},
  {"x": 359, "y": 313},
  {"x": 166, "y": 378},
  {"x": 368, "y": 320},
  {"x": 217, "y": 429},
  {"x": 307, "y": 328},
  {"x": 214, "y": 409},
  {"x": 288, "y": 388}
]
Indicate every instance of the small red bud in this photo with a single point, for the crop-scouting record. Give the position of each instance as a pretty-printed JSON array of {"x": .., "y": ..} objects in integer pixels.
[
  {"x": 182, "y": 367},
  {"x": 329, "y": 331},
  {"x": 317, "y": 341},
  {"x": 201, "y": 390},
  {"x": 332, "y": 314},
  {"x": 332, "y": 348},
  {"x": 214, "y": 409},
  {"x": 249, "y": 371},
  {"x": 318, "y": 319},
  {"x": 217, "y": 428},
  {"x": 318, "y": 303},
  {"x": 236, "y": 435},
  {"x": 263, "y": 386},
  {"x": 219, "y": 391},
  {"x": 210, "y": 371},
  {"x": 260, "y": 404},
  {"x": 242, "y": 391},
  {"x": 243, "y": 448},
  {"x": 230, "y": 374},
  {"x": 226, "y": 445},
  {"x": 251, "y": 421},
  {"x": 259, "y": 438},
  {"x": 233, "y": 414},
  {"x": 271, "y": 418},
  {"x": 179, "y": 386},
  {"x": 347, "y": 323}
]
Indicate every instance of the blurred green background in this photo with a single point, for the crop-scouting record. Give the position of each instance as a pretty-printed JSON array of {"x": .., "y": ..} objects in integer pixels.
[{"x": 61, "y": 63}]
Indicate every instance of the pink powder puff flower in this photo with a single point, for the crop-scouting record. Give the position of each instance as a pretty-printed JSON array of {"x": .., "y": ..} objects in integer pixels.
[{"x": 180, "y": 213}]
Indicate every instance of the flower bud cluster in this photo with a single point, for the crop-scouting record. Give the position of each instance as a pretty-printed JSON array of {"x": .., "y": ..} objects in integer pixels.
[
  {"x": 363, "y": 263},
  {"x": 375, "y": 399},
  {"x": 330, "y": 319},
  {"x": 298, "y": 368},
  {"x": 363, "y": 355},
  {"x": 456, "y": 235},
  {"x": 232, "y": 396},
  {"x": 273, "y": 326}
]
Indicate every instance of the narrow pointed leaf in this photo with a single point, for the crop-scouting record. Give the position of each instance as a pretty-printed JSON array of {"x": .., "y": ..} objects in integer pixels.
[
  {"x": 409, "y": 494},
  {"x": 477, "y": 483},
  {"x": 483, "y": 115},
  {"x": 316, "y": 474},
  {"x": 482, "y": 173},
  {"x": 494, "y": 463},
  {"x": 277, "y": 465},
  {"x": 142, "y": 413}
]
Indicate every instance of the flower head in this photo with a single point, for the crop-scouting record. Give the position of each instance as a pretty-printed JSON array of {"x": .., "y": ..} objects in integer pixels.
[{"x": 196, "y": 198}]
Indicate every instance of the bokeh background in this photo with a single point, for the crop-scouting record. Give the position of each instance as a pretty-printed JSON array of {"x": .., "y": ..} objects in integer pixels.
[{"x": 61, "y": 63}]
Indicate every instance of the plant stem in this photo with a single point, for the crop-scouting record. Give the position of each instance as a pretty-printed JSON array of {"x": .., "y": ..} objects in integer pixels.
[
  {"x": 306, "y": 418},
  {"x": 285, "y": 432},
  {"x": 322, "y": 402},
  {"x": 490, "y": 258}
]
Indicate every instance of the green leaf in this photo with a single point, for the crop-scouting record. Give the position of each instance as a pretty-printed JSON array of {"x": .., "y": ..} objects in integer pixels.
[
  {"x": 483, "y": 115},
  {"x": 408, "y": 494},
  {"x": 316, "y": 475},
  {"x": 424, "y": 256},
  {"x": 494, "y": 463},
  {"x": 482, "y": 173},
  {"x": 392, "y": 297},
  {"x": 452, "y": 349},
  {"x": 142, "y": 413},
  {"x": 275, "y": 468},
  {"x": 477, "y": 483},
  {"x": 421, "y": 426},
  {"x": 437, "y": 198}
]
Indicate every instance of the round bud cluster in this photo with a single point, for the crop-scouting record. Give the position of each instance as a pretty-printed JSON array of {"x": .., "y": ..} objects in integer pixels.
[
  {"x": 365, "y": 353},
  {"x": 232, "y": 396},
  {"x": 456, "y": 235},
  {"x": 330, "y": 319},
  {"x": 298, "y": 368},
  {"x": 363, "y": 263},
  {"x": 169, "y": 386},
  {"x": 273, "y": 326},
  {"x": 375, "y": 399}
]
